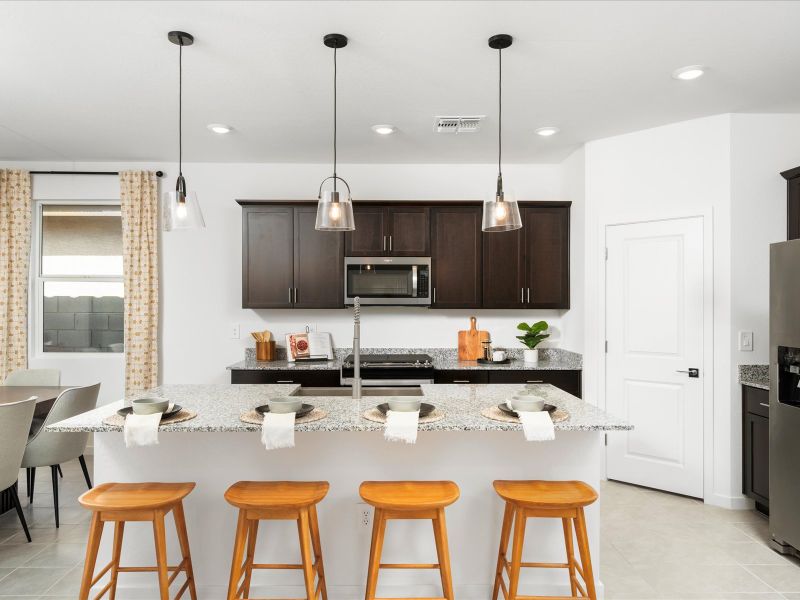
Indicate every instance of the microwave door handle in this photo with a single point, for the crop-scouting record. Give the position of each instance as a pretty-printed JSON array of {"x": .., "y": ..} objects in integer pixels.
[{"x": 414, "y": 281}]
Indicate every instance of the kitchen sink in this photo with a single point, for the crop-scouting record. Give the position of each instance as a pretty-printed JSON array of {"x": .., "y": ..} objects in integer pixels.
[{"x": 365, "y": 391}]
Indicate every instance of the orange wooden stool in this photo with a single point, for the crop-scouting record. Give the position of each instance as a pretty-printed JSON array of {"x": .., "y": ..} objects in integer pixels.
[
  {"x": 409, "y": 500},
  {"x": 273, "y": 501},
  {"x": 549, "y": 499},
  {"x": 121, "y": 502}
]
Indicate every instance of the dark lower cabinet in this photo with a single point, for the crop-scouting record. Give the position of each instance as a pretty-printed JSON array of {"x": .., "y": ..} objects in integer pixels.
[
  {"x": 462, "y": 376},
  {"x": 307, "y": 378},
  {"x": 456, "y": 249},
  {"x": 569, "y": 381},
  {"x": 755, "y": 446}
]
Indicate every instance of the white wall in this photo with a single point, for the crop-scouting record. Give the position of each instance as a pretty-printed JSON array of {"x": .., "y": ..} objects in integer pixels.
[
  {"x": 201, "y": 270},
  {"x": 683, "y": 168},
  {"x": 573, "y": 188}
]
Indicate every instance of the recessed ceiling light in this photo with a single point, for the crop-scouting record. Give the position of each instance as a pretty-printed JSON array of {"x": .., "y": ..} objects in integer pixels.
[
  {"x": 384, "y": 129},
  {"x": 220, "y": 128},
  {"x": 689, "y": 73},
  {"x": 547, "y": 131}
]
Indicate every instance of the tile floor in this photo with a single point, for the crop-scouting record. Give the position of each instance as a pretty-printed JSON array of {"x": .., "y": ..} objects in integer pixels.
[{"x": 654, "y": 546}]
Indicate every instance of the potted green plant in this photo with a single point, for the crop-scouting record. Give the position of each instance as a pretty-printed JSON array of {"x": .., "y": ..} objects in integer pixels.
[{"x": 533, "y": 336}]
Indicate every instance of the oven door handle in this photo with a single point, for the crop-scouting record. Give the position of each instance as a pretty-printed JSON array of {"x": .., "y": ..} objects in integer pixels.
[{"x": 414, "y": 281}]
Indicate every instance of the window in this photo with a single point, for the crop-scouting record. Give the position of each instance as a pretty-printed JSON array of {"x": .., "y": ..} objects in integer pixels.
[{"x": 78, "y": 287}]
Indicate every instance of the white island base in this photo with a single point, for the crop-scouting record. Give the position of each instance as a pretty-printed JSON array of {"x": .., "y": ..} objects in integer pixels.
[{"x": 472, "y": 459}]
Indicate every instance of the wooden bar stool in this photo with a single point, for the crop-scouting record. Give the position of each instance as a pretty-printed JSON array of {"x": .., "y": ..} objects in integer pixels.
[
  {"x": 548, "y": 499},
  {"x": 274, "y": 501},
  {"x": 121, "y": 502},
  {"x": 409, "y": 500}
]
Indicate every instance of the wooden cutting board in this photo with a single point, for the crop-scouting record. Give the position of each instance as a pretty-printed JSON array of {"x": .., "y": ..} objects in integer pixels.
[{"x": 469, "y": 341}]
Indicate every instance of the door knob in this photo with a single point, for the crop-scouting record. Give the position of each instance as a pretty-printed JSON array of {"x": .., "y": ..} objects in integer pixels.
[{"x": 691, "y": 371}]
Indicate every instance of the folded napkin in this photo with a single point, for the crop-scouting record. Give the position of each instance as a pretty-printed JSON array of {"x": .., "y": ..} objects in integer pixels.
[
  {"x": 141, "y": 430},
  {"x": 277, "y": 430},
  {"x": 537, "y": 426},
  {"x": 401, "y": 426}
]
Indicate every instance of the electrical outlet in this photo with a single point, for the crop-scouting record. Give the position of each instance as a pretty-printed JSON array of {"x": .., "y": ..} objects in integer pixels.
[
  {"x": 364, "y": 515},
  {"x": 235, "y": 332},
  {"x": 311, "y": 327},
  {"x": 746, "y": 341}
]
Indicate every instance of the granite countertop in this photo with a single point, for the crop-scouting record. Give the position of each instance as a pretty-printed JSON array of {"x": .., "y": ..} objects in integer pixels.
[
  {"x": 756, "y": 376},
  {"x": 219, "y": 407},
  {"x": 556, "y": 359}
]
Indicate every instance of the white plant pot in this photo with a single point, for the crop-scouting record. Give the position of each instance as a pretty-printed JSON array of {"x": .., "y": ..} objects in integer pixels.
[{"x": 530, "y": 356}]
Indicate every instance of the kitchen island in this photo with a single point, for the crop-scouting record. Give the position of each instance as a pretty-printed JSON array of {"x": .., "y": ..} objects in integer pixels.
[{"x": 215, "y": 449}]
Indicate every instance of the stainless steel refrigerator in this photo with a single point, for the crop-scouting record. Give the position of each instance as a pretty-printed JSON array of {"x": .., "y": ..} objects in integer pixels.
[{"x": 784, "y": 397}]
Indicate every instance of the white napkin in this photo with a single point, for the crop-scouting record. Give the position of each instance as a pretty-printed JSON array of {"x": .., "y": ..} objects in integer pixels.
[
  {"x": 277, "y": 430},
  {"x": 141, "y": 430},
  {"x": 401, "y": 426},
  {"x": 537, "y": 426}
]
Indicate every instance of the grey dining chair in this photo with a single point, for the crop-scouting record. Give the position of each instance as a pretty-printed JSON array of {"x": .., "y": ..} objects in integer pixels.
[
  {"x": 50, "y": 449},
  {"x": 49, "y": 377},
  {"x": 15, "y": 422}
]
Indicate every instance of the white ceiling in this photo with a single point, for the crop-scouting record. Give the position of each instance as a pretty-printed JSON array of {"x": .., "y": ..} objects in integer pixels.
[{"x": 98, "y": 80}]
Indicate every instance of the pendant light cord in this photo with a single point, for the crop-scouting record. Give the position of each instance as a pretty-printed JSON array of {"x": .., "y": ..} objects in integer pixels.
[
  {"x": 499, "y": 191},
  {"x": 180, "y": 109},
  {"x": 335, "y": 48}
]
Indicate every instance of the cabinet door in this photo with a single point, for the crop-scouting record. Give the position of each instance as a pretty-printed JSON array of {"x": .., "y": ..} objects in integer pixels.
[
  {"x": 267, "y": 256},
  {"x": 318, "y": 263},
  {"x": 462, "y": 376},
  {"x": 546, "y": 257},
  {"x": 409, "y": 231},
  {"x": 756, "y": 457},
  {"x": 370, "y": 237},
  {"x": 323, "y": 378},
  {"x": 456, "y": 256},
  {"x": 503, "y": 269},
  {"x": 569, "y": 381}
]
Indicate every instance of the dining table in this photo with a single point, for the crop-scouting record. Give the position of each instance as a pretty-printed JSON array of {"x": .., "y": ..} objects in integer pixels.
[{"x": 45, "y": 397}]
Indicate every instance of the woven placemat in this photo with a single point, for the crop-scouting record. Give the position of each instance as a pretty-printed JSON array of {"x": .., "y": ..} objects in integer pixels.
[
  {"x": 182, "y": 415},
  {"x": 495, "y": 414},
  {"x": 373, "y": 414},
  {"x": 256, "y": 418}
]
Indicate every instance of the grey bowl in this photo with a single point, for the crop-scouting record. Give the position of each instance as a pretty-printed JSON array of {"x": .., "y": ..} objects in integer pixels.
[
  {"x": 149, "y": 406},
  {"x": 527, "y": 403},
  {"x": 403, "y": 403},
  {"x": 285, "y": 404}
]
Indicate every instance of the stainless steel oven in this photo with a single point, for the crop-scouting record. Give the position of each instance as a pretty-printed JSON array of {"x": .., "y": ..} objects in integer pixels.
[{"x": 388, "y": 280}]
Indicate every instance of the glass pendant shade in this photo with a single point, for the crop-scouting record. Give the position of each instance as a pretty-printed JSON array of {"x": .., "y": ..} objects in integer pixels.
[
  {"x": 335, "y": 212},
  {"x": 181, "y": 211},
  {"x": 501, "y": 213}
]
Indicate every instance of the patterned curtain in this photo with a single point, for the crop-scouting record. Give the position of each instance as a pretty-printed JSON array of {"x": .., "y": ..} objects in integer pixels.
[
  {"x": 15, "y": 247},
  {"x": 139, "y": 202}
]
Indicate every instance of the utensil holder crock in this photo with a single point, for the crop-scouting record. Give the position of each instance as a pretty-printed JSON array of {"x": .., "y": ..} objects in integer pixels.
[{"x": 265, "y": 351}]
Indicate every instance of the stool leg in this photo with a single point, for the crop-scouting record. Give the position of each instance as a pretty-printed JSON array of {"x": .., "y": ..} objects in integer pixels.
[
  {"x": 160, "y": 535},
  {"x": 443, "y": 552},
  {"x": 516, "y": 554},
  {"x": 119, "y": 530},
  {"x": 317, "y": 545},
  {"x": 183, "y": 540},
  {"x": 570, "y": 555},
  {"x": 586, "y": 559},
  {"x": 305, "y": 552},
  {"x": 505, "y": 533},
  {"x": 252, "y": 534},
  {"x": 376, "y": 547},
  {"x": 238, "y": 553},
  {"x": 95, "y": 533}
]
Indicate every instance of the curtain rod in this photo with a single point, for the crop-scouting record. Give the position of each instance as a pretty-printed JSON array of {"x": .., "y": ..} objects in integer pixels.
[{"x": 158, "y": 173}]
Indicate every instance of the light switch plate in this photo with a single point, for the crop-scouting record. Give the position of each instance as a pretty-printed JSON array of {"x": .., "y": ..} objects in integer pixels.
[
  {"x": 235, "y": 332},
  {"x": 746, "y": 341}
]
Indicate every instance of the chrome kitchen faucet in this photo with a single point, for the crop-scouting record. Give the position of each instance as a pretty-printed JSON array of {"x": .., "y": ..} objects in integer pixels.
[{"x": 356, "y": 348}]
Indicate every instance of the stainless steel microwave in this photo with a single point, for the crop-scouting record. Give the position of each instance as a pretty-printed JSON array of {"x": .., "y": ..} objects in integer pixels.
[{"x": 388, "y": 280}]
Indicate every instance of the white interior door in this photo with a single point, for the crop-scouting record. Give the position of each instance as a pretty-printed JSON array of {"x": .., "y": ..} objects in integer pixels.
[{"x": 654, "y": 331}]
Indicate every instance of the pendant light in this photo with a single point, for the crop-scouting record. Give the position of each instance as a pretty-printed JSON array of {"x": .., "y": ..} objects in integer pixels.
[
  {"x": 334, "y": 213},
  {"x": 180, "y": 208},
  {"x": 500, "y": 210}
]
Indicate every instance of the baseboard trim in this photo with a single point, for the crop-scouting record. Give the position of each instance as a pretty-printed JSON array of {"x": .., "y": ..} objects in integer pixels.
[{"x": 738, "y": 502}]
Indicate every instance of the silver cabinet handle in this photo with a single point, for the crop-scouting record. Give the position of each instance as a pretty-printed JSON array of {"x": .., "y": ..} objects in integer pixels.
[
  {"x": 290, "y": 295},
  {"x": 434, "y": 295},
  {"x": 390, "y": 243},
  {"x": 534, "y": 381},
  {"x": 529, "y": 295},
  {"x": 384, "y": 243},
  {"x": 284, "y": 381},
  {"x": 522, "y": 295},
  {"x": 764, "y": 404},
  {"x": 460, "y": 380},
  {"x": 295, "y": 295}
]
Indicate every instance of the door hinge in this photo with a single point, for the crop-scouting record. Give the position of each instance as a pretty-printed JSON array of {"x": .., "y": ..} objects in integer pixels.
[
  {"x": 606, "y": 436},
  {"x": 606, "y": 253},
  {"x": 606, "y": 346}
]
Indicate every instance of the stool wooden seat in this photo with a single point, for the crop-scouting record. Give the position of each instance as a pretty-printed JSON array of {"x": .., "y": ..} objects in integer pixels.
[
  {"x": 121, "y": 502},
  {"x": 409, "y": 500},
  {"x": 545, "y": 499},
  {"x": 277, "y": 500}
]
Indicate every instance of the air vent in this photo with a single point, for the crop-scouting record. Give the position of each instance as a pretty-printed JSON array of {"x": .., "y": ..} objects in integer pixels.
[{"x": 458, "y": 124}]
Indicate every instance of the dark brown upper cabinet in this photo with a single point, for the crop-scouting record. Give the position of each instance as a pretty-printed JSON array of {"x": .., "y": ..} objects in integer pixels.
[
  {"x": 389, "y": 231},
  {"x": 456, "y": 256},
  {"x": 792, "y": 177},
  {"x": 529, "y": 267},
  {"x": 286, "y": 263}
]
